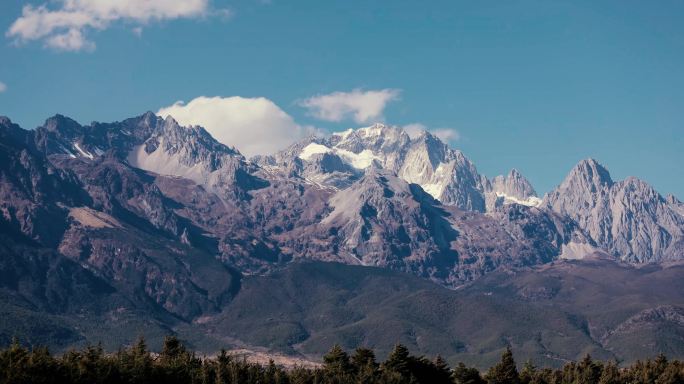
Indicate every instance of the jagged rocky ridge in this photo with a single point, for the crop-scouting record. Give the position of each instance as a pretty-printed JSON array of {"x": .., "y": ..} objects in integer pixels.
[
  {"x": 364, "y": 202},
  {"x": 441, "y": 171},
  {"x": 371, "y": 196},
  {"x": 154, "y": 221},
  {"x": 628, "y": 218}
]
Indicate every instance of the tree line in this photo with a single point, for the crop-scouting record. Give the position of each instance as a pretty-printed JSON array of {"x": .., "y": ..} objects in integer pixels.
[{"x": 176, "y": 364}]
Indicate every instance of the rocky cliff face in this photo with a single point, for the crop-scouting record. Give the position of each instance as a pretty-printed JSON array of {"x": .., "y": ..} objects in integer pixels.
[
  {"x": 33, "y": 192},
  {"x": 445, "y": 173},
  {"x": 107, "y": 217},
  {"x": 628, "y": 218},
  {"x": 191, "y": 153},
  {"x": 147, "y": 224},
  {"x": 371, "y": 196},
  {"x": 381, "y": 220}
]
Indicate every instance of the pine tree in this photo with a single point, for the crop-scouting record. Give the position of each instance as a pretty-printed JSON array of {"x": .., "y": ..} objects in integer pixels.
[
  {"x": 365, "y": 365},
  {"x": 548, "y": 376},
  {"x": 672, "y": 374},
  {"x": 363, "y": 357},
  {"x": 659, "y": 364},
  {"x": 610, "y": 374},
  {"x": 336, "y": 365},
  {"x": 528, "y": 373},
  {"x": 14, "y": 364},
  {"x": 588, "y": 371},
  {"x": 465, "y": 375},
  {"x": 43, "y": 367},
  {"x": 176, "y": 364},
  {"x": 173, "y": 349},
  {"x": 222, "y": 367},
  {"x": 505, "y": 371},
  {"x": 398, "y": 361},
  {"x": 90, "y": 363},
  {"x": 140, "y": 368},
  {"x": 569, "y": 373},
  {"x": 442, "y": 372}
]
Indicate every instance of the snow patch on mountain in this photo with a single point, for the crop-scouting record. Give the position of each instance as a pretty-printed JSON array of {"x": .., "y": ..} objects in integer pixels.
[
  {"x": 163, "y": 163},
  {"x": 83, "y": 153},
  {"x": 531, "y": 201},
  {"x": 443, "y": 172},
  {"x": 576, "y": 251},
  {"x": 344, "y": 134},
  {"x": 361, "y": 160},
  {"x": 313, "y": 149}
]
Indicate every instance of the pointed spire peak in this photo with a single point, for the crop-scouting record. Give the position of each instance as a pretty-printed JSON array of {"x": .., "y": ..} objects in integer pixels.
[
  {"x": 515, "y": 174},
  {"x": 429, "y": 138},
  {"x": 514, "y": 187},
  {"x": 595, "y": 169},
  {"x": 415, "y": 131},
  {"x": 590, "y": 162},
  {"x": 170, "y": 121},
  {"x": 59, "y": 118},
  {"x": 63, "y": 124},
  {"x": 591, "y": 169},
  {"x": 149, "y": 115},
  {"x": 428, "y": 135}
]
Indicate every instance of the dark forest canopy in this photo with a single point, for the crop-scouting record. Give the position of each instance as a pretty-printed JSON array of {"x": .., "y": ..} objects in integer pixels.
[{"x": 176, "y": 364}]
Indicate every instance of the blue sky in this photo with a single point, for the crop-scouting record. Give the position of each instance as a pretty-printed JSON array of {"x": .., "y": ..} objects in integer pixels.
[{"x": 535, "y": 85}]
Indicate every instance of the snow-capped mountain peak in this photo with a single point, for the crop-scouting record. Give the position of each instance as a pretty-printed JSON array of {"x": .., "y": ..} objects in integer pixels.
[
  {"x": 513, "y": 188},
  {"x": 425, "y": 160}
]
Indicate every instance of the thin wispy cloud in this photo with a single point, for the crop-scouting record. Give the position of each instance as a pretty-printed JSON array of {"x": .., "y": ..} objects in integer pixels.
[
  {"x": 255, "y": 126},
  {"x": 447, "y": 135},
  {"x": 65, "y": 25},
  {"x": 3, "y": 87},
  {"x": 359, "y": 105}
]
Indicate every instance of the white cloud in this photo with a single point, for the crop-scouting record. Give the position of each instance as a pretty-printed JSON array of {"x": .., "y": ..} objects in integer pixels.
[
  {"x": 65, "y": 27},
  {"x": 414, "y": 130},
  {"x": 445, "y": 134},
  {"x": 361, "y": 106},
  {"x": 3, "y": 87},
  {"x": 253, "y": 125},
  {"x": 72, "y": 40}
]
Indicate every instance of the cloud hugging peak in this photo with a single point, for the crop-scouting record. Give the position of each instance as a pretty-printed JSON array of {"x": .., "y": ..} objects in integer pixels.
[{"x": 255, "y": 126}]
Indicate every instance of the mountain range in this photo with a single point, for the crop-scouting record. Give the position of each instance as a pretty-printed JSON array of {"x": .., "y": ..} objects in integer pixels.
[{"x": 368, "y": 236}]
